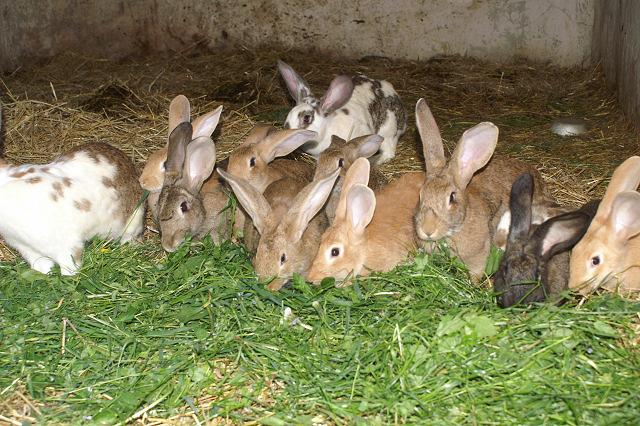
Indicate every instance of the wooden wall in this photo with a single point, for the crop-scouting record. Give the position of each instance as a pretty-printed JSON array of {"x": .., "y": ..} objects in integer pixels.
[{"x": 616, "y": 44}]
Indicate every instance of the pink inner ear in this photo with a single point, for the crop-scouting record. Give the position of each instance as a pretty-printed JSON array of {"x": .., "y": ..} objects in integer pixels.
[
  {"x": 361, "y": 205},
  {"x": 626, "y": 214}
]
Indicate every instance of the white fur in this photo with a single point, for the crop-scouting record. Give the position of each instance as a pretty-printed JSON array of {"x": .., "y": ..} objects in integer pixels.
[
  {"x": 45, "y": 231},
  {"x": 348, "y": 126}
]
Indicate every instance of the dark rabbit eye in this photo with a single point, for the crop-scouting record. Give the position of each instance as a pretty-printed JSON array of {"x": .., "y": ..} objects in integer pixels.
[
  {"x": 306, "y": 119},
  {"x": 252, "y": 162},
  {"x": 452, "y": 197},
  {"x": 164, "y": 165},
  {"x": 283, "y": 258},
  {"x": 184, "y": 207},
  {"x": 335, "y": 252},
  {"x": 341, "y": 162},
  {"x": 595, "y": 260}
]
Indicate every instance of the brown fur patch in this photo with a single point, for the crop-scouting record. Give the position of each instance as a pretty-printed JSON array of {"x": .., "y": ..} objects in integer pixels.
[
  {"x": 77, "y": 254},
  {"x": 109, "y": 183},
  {"x": 45, "y": 169},
  {"x": 83, "y": 205},
  {"x": 54, "y": 197},
  {"x": 58, "y": 189},
  {"x": 33, "y": 180},
  {"x": 19, "y": 175},
  {"x": 66, "y": 181}
]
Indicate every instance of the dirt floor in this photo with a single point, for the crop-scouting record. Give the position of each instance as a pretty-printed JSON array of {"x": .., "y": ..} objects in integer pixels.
[{"x": 73, "y": 99}]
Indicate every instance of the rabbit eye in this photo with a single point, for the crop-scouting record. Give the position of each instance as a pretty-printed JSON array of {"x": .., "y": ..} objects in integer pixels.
[
  {"x": 252, "y": 162},
  {"x": 283, "y": 258},
  {"x": 595, "y": 260},
  {"x": 341, "y": 162},
  {"x": 452, "y": 197},
  {"x": 164, "y": 165},
  {"x": 184, "y": 207},
  {"x": 335, "y": 252},
  {"x": 307, "y": 118}
]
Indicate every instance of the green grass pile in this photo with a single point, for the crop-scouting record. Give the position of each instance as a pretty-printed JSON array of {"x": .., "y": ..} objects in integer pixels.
[{"x": 135, "y": 336}]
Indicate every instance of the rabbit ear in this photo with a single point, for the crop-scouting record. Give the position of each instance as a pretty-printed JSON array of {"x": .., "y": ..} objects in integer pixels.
[
  {"x": 473, "y": 152},
  {"x": 199, "y": 162},
  {"x": 361, "y": 204},
  {"x": 520, "y": 208},
  {"x": 625, "y": 215},
  {"x": 205, "y": 125},
  {"x": 258, "y": 133},
  {"x": 298, "y": 88},
  {"x": 358, "y": 173},
  {"x": 560, "y": 233},
  {"x": 308, "y": 203},
  {"x": 178, "y": 140},
  {"x": 626, "y": 177},
  {"x": 432, "y": 148},
  {"x": 253, "y": 202},
  {"x": 337, "y": 95},
  {"x": 283, "y": 142},
  {"x": 179, "y": 112},
  {"x": 367, "y": 145},
  {"x": 153, "y": 171}
]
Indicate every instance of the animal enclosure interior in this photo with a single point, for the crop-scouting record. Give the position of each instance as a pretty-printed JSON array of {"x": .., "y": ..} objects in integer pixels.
[{"x": 148, "y": 337}]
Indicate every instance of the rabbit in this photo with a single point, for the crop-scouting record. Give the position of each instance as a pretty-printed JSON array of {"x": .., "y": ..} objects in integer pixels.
[
  {"x": 342, "y": 154},
  {"x": 370, "y": 232},
  {"x": 290, "y": 222},
  {"x": 468, "y": 210},
  {"x": 535, "y": 264},
  {"x": 608, "y": 256},
  {"x": 255, "y": 160},
  {"x": 152, "y": 174},
  {"x": 193, "y": 200},
  {"x": 50, "y": 210},
  {"x": 351, "y": 107}
]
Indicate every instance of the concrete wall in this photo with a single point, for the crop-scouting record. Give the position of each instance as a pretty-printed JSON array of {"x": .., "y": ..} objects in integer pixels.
[
  {"x": 616, "y": 43},
  {"x": 556, "y": 30}
]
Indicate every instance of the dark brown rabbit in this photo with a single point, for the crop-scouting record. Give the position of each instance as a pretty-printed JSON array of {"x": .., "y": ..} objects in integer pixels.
[{"x": 535, "y": 265}]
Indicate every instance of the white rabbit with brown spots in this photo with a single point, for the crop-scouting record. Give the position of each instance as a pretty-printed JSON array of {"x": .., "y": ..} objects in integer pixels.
[
  {"x": 351, "y": 107},
  {"x": 49, "y": 211}
]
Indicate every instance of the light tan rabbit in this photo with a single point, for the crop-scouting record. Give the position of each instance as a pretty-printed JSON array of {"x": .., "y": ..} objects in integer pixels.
[
  {"x": 463, "y": 200},
  {"x": 255, "y": 160},
  {"x": 342, "y": 154},
  {"x": 370, "y": 232},
  {"x": 290, "y": 222},
  {"x": 152, "y": 174},
  {"x": 608, "y": 255}
]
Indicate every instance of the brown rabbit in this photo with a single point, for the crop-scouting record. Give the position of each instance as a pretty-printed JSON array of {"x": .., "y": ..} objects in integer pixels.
[
  {"x": 608, "y": 256},
  {"x": 152, "y": 175},
  {"x": 464, "y": 199},
  {"x": 370, "y": 232},
  {"x": 290, "y": 222},
  {"x": 342, "y": 154},
  {"x": 255, "y": 160},
  {"x": 193, "y": 200},
  {"x": 535, "y": 265}
]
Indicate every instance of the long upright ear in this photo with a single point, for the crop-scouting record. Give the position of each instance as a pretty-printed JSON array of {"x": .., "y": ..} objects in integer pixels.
[
  {"x": 178, "y": 140},
  {"x": 179, "y": 112},
  {"x": 298, "y": 88},
  {"x": 473, "y": 152},
  {"x": 254, "y": 203},
  {"x": 625, "y": 215},
  {"x": 199, "y": 162},
  {"x": 361, "y": 204},
  {"x": 283, "y": 142},
  {"x": 308, "y": 203},
  {"x": 338, "y": 94},
  {"x": 520, "y": 207},
  {"x": 358, "y": 173},
  {"x": 432, "y": 148},
  {"x": 626, "y": 177},
  {"x": 365, "y": 146},
  {"x": 560, "y": 233},
  {"x": 206, "y": 124}
]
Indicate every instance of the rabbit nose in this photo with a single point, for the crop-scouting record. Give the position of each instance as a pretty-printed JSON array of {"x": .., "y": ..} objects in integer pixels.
[{"x": 287, "y": 284}]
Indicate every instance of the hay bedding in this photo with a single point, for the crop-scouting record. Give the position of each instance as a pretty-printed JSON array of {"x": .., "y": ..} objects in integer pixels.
[{"x": 74, "y": 99}]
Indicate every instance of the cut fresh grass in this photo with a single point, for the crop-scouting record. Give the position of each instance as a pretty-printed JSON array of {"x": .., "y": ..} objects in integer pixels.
[{"x": 136, "y": 336}]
